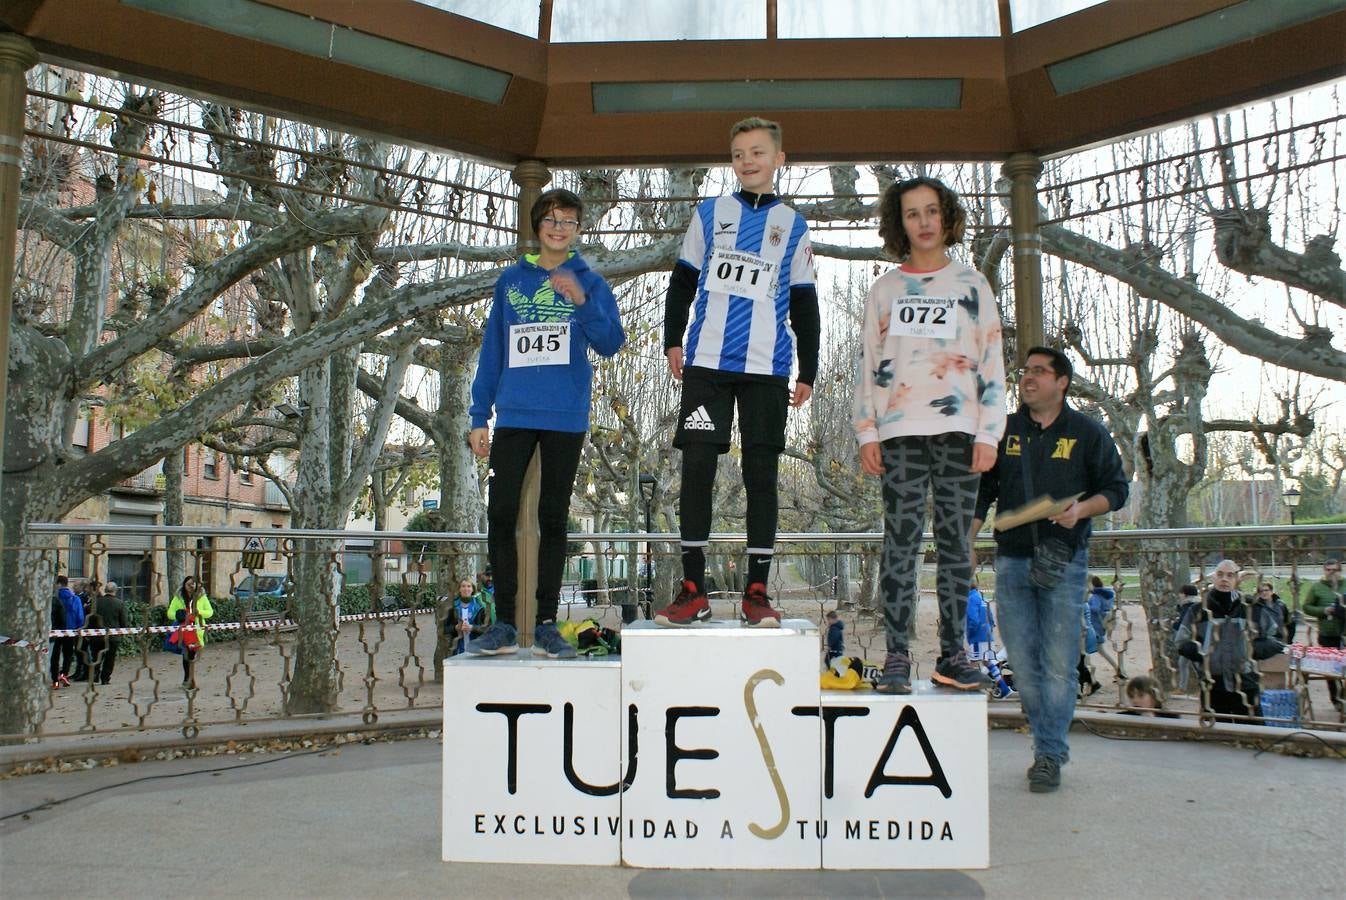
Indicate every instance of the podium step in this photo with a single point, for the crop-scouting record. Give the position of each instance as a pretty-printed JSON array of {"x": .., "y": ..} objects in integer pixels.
[{"x": 708, "y": 747}]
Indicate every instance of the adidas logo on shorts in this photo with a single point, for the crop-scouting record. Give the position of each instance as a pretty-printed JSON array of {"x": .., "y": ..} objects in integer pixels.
[{"x": 699, "y": 420}]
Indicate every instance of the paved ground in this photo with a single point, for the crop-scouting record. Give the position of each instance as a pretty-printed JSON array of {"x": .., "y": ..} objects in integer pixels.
[{"x": 1136, "y": 818}]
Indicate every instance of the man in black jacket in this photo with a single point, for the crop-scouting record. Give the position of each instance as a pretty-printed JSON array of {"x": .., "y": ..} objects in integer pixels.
[
  {"x": 1220, "y": 638},
  {"x": 108, "y": 612},
  {"x": 1048, "y": 449}
]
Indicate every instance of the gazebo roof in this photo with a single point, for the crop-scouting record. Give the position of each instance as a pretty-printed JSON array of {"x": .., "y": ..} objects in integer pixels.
[{"x": 582, "y": 82}]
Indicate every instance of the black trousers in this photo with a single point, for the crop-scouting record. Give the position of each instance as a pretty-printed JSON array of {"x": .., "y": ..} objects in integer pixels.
[
  {"x": 62, "y": 655},
  {"x": 102, "y": 656},
  {"x": 511, "y": 451},
  {"x": 1333, "y": 689}
]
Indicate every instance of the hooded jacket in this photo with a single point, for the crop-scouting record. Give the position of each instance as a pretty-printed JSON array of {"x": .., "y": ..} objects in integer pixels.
[{"x": 549, "y": 397}]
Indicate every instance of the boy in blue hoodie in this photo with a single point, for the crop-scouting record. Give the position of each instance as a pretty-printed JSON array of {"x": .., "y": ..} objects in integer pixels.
[{"x": 549, "y": 309}]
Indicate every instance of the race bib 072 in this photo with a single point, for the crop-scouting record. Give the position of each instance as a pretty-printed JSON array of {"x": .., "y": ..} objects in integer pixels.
[
  {"x": 923, "y": 317},
  {"x": 741, "y": 274},
  {"x": 539, "y": 344}
]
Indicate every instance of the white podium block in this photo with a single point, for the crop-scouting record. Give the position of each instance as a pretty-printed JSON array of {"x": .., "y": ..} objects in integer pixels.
[
  {"x": 905, "y": 780},
  {"x": 534, "y": 756},
  {"x": 728, "y": 746}
]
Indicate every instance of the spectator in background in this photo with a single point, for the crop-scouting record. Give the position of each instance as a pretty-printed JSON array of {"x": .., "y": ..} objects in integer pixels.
[
  {"x": 486, "y": 594},
  {"x": 1215, "y": 637},
  {"x": 1271, "y": 625},
  {"x": 1144, "y": 698},
  {"x": 67, "y": 613},
  {"x": 108, "y": 612},
  {"x": 88, "y": 593},
  {"x": 1271, "y": 615},
  {"x": 1322, "y": 600},
  {"x": 467, "y": 617},
  {"x": 836, "y": 642},
  {"x": 192, "y": 602},
  {"x": 1188, "y": 597}
]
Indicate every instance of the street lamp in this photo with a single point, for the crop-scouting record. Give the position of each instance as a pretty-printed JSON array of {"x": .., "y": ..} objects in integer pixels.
[
  {"x": 1292, "y": 498},
  {"x": 648, "y": 485}
]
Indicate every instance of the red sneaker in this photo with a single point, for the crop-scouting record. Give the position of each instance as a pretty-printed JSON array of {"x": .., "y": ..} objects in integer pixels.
[
  {"x": 63, "y": 680},
  {"x": 757, "y": 611},
  {"x": 688, "y": 608}
]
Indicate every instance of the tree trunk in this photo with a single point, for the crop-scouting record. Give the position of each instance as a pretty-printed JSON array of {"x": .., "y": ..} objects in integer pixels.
[
  {"x": 174, "y": 464},
  {"x": 34, "y": 492}
]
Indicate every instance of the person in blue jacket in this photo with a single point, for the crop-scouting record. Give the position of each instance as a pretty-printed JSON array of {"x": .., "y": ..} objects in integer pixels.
[
  {"x": 548, "y": 311},
  {"x": 71, "y": 616}
]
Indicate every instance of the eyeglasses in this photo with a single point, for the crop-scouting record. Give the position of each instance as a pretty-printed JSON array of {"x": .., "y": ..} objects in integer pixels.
[
  {"x": 1038, "y": 371},
  {"x": 563, "y": 224}
]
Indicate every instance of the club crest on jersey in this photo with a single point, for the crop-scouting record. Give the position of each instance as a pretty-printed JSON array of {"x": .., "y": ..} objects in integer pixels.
[{"x": 777, "y": 232}]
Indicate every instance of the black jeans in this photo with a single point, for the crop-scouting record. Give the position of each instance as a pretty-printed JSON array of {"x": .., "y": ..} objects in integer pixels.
[
  {"x": 62, "y": 655},
  {"x": 511, "y": 451}
]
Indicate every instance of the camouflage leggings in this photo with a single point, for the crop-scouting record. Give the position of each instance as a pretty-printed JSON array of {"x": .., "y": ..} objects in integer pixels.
[{"x": 911, "y": 465}]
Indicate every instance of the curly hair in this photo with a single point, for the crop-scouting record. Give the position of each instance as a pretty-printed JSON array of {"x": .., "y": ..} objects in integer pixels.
[{"x": 951, "y": 213}]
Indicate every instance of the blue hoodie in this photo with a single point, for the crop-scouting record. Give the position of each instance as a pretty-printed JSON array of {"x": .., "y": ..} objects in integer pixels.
[
  {"x": 980, "y": 622},
  {"x": 549, "y": 397},
  {"x": 72, "y": 606}
]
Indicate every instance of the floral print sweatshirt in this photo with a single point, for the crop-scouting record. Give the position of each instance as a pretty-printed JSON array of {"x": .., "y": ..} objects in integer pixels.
[{"x": 930, "y": 359}]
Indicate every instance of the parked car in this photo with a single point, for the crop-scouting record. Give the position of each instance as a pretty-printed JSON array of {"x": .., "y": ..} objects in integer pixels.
[{"x": 263, "y": 592}]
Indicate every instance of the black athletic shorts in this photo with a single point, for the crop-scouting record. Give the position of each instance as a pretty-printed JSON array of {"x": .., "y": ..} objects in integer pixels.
[{"x": 706, "y": 414}]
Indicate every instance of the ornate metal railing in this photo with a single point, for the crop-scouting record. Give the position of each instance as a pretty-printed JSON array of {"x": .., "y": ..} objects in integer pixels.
[{"x": 382, "y": 613}]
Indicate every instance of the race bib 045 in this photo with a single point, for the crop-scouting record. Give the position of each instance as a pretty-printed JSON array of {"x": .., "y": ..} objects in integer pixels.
[
  {"x": 923, "y": 317},
  {"x": 741, "y": 274},
  {"x": 539, "y": 344}
]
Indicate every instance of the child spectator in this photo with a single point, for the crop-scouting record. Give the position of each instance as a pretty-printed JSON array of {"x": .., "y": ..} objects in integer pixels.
[
  {"x": 746, "y": 273},
  {"x": 1144, "y": 698},
  {"x": 549, "y": 309},
  {"x": 929, "y": 414},
  {"x": 836, "y": 644}
]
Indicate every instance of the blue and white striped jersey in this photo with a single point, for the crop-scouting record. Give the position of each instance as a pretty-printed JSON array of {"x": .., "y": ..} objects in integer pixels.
[{"x": 747, "y": 260}]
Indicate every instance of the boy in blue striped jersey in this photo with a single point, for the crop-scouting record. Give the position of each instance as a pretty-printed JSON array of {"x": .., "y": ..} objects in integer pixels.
[{"x": 745, "y": 272}]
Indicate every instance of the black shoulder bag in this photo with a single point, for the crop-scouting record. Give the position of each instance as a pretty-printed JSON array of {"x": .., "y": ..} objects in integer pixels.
[{"x": 1051, "y": 555}]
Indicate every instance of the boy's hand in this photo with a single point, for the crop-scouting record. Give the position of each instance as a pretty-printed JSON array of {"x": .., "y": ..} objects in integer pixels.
[
  {"x": 568, "y": 286},
  {"x": 479, "y": 439},
  {"x": 674, "y": 355},
  {"x": 801, "y": 394},
  {"x": 870, "y": 460}
]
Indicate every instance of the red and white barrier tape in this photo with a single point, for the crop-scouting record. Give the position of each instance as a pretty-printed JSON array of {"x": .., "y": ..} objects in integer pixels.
[{"x": 254, "y": 625}]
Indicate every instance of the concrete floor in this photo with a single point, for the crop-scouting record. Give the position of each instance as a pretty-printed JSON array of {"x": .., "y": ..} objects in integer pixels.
[{"x": 1134, "y": 818}]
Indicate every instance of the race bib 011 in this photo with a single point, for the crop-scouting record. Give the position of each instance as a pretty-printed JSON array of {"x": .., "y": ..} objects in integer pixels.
[
  {"x": 539, "y": 344},
  {"x": 923, "y": 317},
  {"x": 741, "y": 274}
]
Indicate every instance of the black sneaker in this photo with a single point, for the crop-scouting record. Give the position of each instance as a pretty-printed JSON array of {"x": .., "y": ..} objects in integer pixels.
[
  {"x": 896, "y": 677},
  {"x": 956, "y": 672},
  {"x": 1044, "y": 776}
]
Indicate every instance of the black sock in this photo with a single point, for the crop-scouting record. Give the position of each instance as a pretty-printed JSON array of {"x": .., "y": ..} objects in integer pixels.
[
  {"x": 759, "y": 568},
  {"x": 694, "y": 567}
]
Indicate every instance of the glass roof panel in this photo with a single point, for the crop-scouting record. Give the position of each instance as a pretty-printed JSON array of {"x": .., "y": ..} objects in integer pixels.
[
  {"x": 579, "y": 21},
  {"x": 886, "y": 19},
  {"x": 1027, "y": 13},
  {"x": 519, "y": 16}
]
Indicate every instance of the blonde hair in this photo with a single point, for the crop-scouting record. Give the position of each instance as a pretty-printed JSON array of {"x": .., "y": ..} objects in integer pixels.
[{"x": 752, "y": 123}]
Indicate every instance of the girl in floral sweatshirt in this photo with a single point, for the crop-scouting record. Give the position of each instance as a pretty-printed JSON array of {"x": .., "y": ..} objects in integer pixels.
[{"x": 929, "y": 412}]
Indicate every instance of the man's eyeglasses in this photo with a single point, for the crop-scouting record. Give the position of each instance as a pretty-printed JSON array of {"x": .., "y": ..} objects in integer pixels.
[
  {"x": 563, "y": 224},
  {"x": 1038, "y": 371}
]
